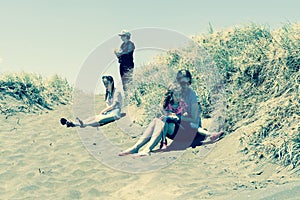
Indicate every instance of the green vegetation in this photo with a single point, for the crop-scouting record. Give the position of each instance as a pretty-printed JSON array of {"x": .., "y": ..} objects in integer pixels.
[
  {"x": 26, "y": 92},
  {"x": 247, "y": 79},
  {"x": 261, "y": 76}
]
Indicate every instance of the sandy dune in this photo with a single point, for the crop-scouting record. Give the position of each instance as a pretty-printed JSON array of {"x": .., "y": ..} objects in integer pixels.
[{"x": 40, "y": 159}]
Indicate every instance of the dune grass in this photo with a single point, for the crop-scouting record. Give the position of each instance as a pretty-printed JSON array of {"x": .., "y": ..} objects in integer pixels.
[
  {"x": 246, "y": 76},
  {"x": 29, "y": 92}
]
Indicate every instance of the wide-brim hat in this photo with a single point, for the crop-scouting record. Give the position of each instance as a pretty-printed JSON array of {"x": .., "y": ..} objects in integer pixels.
[{"x": 124, "y": 32}]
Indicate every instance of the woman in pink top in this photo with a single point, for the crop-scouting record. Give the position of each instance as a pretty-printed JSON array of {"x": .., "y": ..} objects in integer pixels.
[{"x": 173, "y": 108}]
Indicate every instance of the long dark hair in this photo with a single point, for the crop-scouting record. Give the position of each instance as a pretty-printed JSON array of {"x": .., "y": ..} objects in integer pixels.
[
  {"x": 168, "y": 97},
  {"x": 111, "y": 80}
]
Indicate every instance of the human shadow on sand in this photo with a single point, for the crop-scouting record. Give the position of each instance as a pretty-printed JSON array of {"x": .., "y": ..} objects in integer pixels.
[{"x": 183, "y": 142}]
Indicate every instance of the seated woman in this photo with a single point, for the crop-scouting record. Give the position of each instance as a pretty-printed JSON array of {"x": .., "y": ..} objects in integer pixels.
[
  {"x": 173, "y": 107},
  {"x": 112, "y": 111},
  {"x": 189, "y": 134}
]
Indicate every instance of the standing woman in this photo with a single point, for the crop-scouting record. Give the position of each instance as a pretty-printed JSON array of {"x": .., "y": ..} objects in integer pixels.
[
  {"x": 113, "y": 99},
  {"x": 125, "y": 57}
]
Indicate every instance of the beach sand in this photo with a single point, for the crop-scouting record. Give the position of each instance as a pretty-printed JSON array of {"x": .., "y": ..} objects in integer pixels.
[{"x": 41, "y": 159}]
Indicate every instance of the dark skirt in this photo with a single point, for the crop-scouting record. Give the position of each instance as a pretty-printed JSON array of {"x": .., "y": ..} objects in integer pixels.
[{"x": 185, "y": 136}]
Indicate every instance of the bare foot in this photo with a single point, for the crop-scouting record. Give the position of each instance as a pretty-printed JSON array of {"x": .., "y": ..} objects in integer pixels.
[
  {"x": 128, "y": 152},
  {"x": 164, "y": 146},
  {"x": 215, "y": 136}
]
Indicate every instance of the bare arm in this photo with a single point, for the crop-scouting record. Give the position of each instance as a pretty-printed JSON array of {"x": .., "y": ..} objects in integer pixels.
[
  {"x": 193, "y": 117},
  {"x": 117, "y": 98},
  {"x": 106, "y": 109}
]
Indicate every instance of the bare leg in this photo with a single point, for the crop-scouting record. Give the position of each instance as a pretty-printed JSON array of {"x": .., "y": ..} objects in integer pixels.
[
  {"x": 203, "y": 131},
  {"x": 155, "y": 138},
  {"x": 211, "y": 135},
  {"x": 147, "y": 135},
  {"x": 91, "y": 121},
  {"x": 97, "y": 120},
  {"x": 168, "y": 128}
]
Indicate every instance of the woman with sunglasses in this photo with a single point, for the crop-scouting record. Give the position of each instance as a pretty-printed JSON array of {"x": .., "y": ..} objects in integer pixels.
[
  {"x": 190, "y": 133},
  {"x": 173, "y": 108},
  {"x": 113, "y": 99}
]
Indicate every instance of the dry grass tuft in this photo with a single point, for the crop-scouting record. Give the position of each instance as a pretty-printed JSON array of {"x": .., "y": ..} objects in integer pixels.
[{"x": 26, "y": 92}]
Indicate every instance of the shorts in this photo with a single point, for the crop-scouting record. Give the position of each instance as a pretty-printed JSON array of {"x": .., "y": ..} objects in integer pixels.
[{"x": 109, "y": 116}]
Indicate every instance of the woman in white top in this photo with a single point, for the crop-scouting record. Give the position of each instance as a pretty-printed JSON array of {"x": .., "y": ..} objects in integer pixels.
[{"x": 113, "y": 99}]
